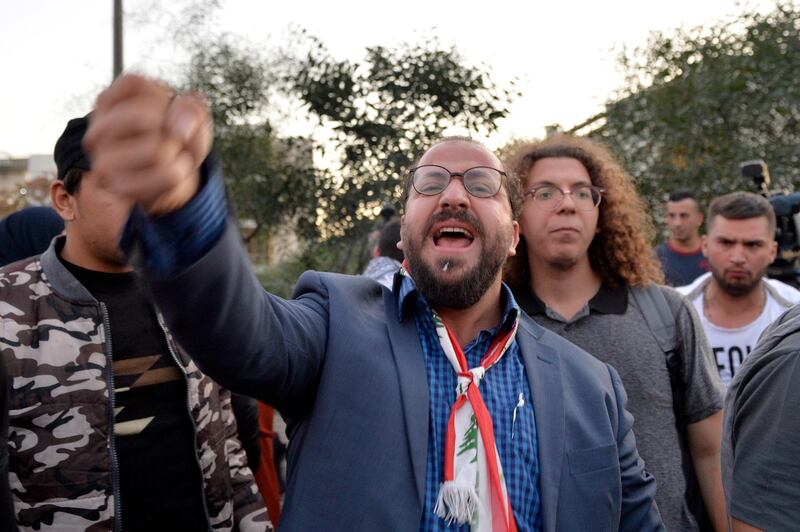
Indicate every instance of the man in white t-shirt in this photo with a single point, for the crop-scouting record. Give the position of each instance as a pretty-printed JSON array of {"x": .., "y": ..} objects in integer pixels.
[{"x": 735, "y": 301}]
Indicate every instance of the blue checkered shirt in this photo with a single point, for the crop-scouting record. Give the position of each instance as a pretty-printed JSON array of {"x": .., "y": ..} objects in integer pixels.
[{"x": 501, "y": 389}]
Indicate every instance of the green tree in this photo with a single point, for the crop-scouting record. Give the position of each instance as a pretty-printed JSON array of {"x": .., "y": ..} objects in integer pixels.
[
  {"x": 698, "y": 102},
  {"x": 382, "y": 112},
  {"x": 378, "y": 114},
  {"x": 271, "y": 179}
]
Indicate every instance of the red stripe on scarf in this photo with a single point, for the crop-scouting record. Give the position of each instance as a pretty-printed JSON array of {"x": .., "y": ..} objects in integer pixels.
[
  {"x": 450, "y": 439},
  {"x": 502, "y": 518}
]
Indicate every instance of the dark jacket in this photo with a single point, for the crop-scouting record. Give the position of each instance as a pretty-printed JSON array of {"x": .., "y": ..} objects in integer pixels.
[
  {"x": 27, "y": 232},
  {"x": 54, "y": 343},
  {"x": 346, "y": 369}
]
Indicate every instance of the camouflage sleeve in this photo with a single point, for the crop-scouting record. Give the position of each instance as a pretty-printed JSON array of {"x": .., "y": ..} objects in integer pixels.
[
  {"x": 249, "y": 512},
  {"x": 7, "y": 519}
]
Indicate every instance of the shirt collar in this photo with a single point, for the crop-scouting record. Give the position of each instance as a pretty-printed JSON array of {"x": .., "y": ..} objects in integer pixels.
[
  {"x": 607, "y": 300},
  {"x": 407, "y": 292}
]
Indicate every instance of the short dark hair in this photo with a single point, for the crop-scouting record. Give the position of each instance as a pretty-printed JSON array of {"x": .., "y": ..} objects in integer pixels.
[
  {"x": 72, "y": 180},
  {"x": 682, "y": 194},
  {"x": 740, "y": 206},
  {"x": 68, "y": 152},
  {"x": 511, "y": 181},
  {"x": 387, "y": 242}
]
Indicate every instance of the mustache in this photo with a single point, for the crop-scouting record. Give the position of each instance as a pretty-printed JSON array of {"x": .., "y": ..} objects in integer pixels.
[{"x": 459, "y": 215}]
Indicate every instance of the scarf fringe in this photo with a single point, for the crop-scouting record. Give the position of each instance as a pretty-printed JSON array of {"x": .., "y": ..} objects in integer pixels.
[{"x": 456, "y": 502}]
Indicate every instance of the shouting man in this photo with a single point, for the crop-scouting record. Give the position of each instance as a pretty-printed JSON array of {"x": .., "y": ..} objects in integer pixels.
[{"x": 434, "y": 405}]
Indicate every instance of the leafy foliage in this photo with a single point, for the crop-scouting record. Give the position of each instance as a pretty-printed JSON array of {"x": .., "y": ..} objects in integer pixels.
[
  {"x": 272, "y": 180},
  {"x": 383, "y": 112},
  {"x": 379, "y": 113},
  {"x": 698, "y": 102}
]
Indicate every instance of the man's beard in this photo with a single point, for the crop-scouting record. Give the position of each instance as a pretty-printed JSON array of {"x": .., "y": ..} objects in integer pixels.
[
  {"x": 464, "y": 292},
  {"x": 737, "y": 289}
]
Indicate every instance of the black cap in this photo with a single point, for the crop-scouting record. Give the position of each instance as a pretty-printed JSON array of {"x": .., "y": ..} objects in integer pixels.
[{"x": 68, "y": 152}]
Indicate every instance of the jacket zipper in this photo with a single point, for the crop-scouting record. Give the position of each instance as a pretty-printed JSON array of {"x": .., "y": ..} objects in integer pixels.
[
  {"x": 189, "y": 410},
  {"x": 112, "y": 447}
]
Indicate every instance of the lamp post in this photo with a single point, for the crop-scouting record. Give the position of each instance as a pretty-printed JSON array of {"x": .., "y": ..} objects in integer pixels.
[{"x": 117, "y": 38}]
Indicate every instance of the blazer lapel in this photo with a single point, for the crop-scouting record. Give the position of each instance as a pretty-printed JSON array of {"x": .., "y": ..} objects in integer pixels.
[
  {"x": 413, "y": 379},
  {"x": 544, "y": 376}
]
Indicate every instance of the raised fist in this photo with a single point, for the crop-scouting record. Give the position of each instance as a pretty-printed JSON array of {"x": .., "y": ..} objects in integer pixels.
[{"x": 146, "y": 143}]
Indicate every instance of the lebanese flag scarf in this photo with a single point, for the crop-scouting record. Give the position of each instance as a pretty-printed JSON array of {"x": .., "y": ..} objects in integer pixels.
[{"x": 474, "y": 488}]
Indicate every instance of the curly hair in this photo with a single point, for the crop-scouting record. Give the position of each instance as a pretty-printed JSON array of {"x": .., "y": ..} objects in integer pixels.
[{"x": 620, "y": 252}]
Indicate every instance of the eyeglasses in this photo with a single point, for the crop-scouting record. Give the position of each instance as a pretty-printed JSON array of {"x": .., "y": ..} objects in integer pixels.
[
  {"x": 480, "y": 181},
  {"x": 584, "y": 197}
]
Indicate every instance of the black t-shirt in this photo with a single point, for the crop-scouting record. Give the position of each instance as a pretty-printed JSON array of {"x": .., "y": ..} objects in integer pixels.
[{"x": 160, "y": 477}]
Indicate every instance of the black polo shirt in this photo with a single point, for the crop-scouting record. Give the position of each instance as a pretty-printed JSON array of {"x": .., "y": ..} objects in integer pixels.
[{"x": 607, "y": 300}]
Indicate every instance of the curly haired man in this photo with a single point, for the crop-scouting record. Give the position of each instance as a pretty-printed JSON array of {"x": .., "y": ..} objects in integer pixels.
[{"x": 582, "y": 260}]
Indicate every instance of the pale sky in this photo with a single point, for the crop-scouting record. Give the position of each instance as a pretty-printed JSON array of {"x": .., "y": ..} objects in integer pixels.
[{"x": 55, "y": 55}]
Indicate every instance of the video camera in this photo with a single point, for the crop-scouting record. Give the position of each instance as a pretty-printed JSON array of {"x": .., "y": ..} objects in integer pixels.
[{"x": 787, "y": 230}]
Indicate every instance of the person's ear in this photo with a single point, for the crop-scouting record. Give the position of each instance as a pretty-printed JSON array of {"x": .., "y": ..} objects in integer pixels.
[
  {"x": 514, "y": 241},
  {"x": 63, "y": 202},
  {"x": 402, "y": 223}
]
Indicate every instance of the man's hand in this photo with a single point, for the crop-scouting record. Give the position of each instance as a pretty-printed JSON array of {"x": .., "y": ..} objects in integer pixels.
[{"x": 146, "y": 143}]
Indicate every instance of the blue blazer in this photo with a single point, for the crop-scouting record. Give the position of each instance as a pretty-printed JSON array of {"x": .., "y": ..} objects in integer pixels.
[{"x": 347, "y": 372}]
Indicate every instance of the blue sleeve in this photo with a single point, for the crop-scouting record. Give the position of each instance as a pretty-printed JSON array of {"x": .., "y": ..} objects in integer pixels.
[
  {"x": 247, "y": 340},
  {"x": 199, "y": 274},
  {"x": 164, "y": 246}
]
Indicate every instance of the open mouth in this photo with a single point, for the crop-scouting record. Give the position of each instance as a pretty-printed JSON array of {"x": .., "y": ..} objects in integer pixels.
[{"x": 453, "y": 237}]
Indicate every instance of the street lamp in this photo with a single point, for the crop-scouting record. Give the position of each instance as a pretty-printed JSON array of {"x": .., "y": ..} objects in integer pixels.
[{"x": 117, "y": 38}]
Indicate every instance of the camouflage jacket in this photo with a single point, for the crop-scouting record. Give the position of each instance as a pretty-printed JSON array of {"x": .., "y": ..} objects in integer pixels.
[{"x": 62, "y": 467}]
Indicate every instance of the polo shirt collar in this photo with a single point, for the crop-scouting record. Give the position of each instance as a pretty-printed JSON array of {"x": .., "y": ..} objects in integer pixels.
[{"x": 607, "y": 300}]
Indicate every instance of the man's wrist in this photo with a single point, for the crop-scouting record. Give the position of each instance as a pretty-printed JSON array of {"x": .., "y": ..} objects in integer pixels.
[
  {"x": 176, "y": 198},
  {"x": 163, "y": 246}
]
